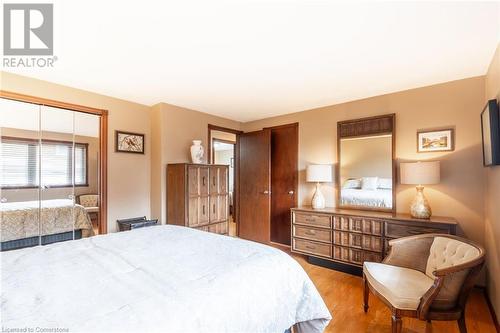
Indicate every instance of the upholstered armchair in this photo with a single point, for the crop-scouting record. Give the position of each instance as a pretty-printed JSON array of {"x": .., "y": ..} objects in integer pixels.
[
  {"x": 89, "y": 202},
  {"x": 428, "y": 277}
]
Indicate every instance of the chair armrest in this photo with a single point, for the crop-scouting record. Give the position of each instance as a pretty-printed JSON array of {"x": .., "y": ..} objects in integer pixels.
[
  {"x": 429, "y": 297},
  {"x": 410, "y": 252}
]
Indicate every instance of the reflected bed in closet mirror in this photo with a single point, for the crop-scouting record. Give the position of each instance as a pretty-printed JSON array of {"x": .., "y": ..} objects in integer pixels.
[{"x": 20, "y": 222}]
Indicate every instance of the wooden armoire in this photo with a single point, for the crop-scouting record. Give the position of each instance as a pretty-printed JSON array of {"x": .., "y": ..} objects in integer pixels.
[{"x": 197, "y": 196}]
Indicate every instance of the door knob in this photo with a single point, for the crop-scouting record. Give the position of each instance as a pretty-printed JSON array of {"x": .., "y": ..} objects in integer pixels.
[
  {"x": 266, "y": 192},
  {"x": 291, "y": 192}
]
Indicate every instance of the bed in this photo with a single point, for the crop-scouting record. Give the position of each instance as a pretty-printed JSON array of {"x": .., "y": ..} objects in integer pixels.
[
  {"x": 162, "y": 278},
  {"x": 20, "y": 225},
  {"x": 374, "y": 198}
]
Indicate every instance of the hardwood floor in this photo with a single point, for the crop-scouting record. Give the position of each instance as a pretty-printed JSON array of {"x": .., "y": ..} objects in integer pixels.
[{"x": 342, "y": 294}]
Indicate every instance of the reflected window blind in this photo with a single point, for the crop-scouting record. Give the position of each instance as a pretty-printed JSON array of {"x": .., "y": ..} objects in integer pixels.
[{"x": 20, "y": 164}]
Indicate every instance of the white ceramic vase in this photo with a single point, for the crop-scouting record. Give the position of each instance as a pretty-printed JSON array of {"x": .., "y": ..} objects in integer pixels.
[{"x": 197, "y": 152}]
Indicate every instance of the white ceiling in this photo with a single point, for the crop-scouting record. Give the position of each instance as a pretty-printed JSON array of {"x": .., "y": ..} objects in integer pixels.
[{"x": 247, "y": 60}]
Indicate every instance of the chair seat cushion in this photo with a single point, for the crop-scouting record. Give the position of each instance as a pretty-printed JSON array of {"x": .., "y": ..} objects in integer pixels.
[
  {"x": 402, "y": 287},
  {"x": 91, "y": 209}
]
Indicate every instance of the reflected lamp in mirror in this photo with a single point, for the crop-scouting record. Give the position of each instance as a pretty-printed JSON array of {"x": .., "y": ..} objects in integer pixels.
[
  {"x": 318, "y": 173},
  {"x": 420, "y": 173}
]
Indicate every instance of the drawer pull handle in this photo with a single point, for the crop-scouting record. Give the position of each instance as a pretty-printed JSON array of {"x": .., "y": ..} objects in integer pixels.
[
  {"x": 310, "y": 232},
  {"x": 203, "y": 209},
  {"x": 214, "y": 209},
  {"x": 203, "y": 180},
  {"x": 312, "y": 219},
  {"x": 310, "y": 247}
]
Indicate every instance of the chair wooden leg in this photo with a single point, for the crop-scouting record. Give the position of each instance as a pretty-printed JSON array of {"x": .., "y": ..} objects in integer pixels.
[
  {"x": 397, "y": 323},
  {"x": 461, "y": 323},
  {"x": 366, "y": 294}
]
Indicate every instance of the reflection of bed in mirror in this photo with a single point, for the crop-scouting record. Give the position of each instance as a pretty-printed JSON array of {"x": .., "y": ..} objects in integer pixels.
[
  {"x": 366, "y": 163},
  {"x": 58, "y": 218},
  {"x": 353, "y": 194}
]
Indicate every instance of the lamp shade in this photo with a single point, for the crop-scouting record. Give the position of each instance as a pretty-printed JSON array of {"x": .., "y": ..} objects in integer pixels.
[
  {"x": 319, "y": 173},
  {"x": 420, "y": 173}
]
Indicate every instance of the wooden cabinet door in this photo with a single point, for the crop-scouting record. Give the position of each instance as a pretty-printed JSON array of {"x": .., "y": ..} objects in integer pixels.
[
  {"x": 223, "y": 209},
  {"x": 203, "y": 181},
  {"x": 223, "y": 180},
  {"x": 203, "y": 210},
  {"x": 193, "y": 184},
  {"x": 214, "y": 180},
  {"x": 214, "y": 208},
  {"x": 255, "y": 186},
  {"x": 193, "y": 205}
]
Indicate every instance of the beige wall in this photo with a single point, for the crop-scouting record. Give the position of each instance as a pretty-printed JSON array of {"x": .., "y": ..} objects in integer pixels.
[
  {"x": 492, "y": 196},
  {"x": 454, "y": 104},
  {"x": 366, "y": 157},
  {"x": 173, "y": 130},
  {"x": 129, "y": 175}
]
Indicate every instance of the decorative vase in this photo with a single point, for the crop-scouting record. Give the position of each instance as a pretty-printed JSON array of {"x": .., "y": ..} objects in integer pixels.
[
  {"x": 420, "y": 207},
  {"x": 318, "y": 200},
  {"x": 197, "y": 152}
]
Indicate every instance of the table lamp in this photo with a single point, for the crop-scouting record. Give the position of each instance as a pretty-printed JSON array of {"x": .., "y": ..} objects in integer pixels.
[
  {"x": 420, "y": 173},
  {"x": 318, "y": 173}
]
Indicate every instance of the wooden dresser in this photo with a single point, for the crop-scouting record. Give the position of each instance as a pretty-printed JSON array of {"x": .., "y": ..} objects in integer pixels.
[
  {"x": 198, "y": 197},
  {"x": 343, "y": 239}
]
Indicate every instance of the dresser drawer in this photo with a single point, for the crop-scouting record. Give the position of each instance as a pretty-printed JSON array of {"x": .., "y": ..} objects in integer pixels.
[
  {"x": 355, "y": 224},
  {"x": 356, "y": 240},
  {"x": 317, "y": 249},
  {"x": 373, "y": 227},
  {"x": 341, "y": 253},
  {"x": 341, "y": 238},
  {"x": 396, "y": 230},
  {"x": 341, "y": 223},
  {"x": 322, "y": 221},
  {"x": 372, "y": 256},
  {"x": 320, "y": 235},
  {"x": 372, "y": 243},
  {"x": 356, "y": 256}
]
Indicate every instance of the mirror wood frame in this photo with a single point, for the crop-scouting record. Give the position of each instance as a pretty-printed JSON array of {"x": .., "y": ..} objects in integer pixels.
[{"x": 369, "y": 126}]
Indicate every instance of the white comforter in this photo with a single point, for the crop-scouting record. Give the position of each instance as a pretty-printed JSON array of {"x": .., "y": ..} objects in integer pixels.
[
  {"x": 164, "y": 278},
  {"x": 374, "y": 198}
]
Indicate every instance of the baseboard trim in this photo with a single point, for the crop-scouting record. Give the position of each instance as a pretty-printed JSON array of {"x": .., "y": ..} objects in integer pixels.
[
  {"x": 345, "y": 268},
  {"x": 490, "y": 307}
]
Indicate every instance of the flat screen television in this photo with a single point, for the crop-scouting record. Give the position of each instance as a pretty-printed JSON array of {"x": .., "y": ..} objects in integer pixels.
[{"x": 490, "y": 127}]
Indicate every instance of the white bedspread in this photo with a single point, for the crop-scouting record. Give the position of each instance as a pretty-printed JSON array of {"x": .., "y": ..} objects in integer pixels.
[
  {"x": 163, "y": 278},
  {"x": 374, "y": 198}
]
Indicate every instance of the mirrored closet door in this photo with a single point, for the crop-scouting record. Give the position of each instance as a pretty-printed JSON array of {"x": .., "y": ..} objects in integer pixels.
[{"x": 48, "y": 173}]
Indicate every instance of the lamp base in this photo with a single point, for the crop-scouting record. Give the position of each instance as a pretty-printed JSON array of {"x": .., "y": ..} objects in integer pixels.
[
  {"x": 420, "y": 207},
  {"x": 318, "y": 200}
]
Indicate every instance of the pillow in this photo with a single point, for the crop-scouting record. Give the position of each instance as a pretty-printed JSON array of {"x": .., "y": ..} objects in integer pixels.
[
  {"x": 385, "y": 183},
  {"x": 352, "y": 183},
  {"x": 369, "y": 183}
]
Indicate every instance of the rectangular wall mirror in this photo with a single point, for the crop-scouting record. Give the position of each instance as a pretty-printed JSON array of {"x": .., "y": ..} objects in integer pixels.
[{"x": 365, "y": 173}]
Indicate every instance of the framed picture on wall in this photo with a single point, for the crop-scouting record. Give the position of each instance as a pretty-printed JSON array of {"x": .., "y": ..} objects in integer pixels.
[
  {"x": 436, "y": 140},
  {"x": 127, "y": 142}
]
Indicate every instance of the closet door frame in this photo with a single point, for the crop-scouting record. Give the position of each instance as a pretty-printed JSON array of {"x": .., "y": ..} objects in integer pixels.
[{"x": 103, "y": 144}]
